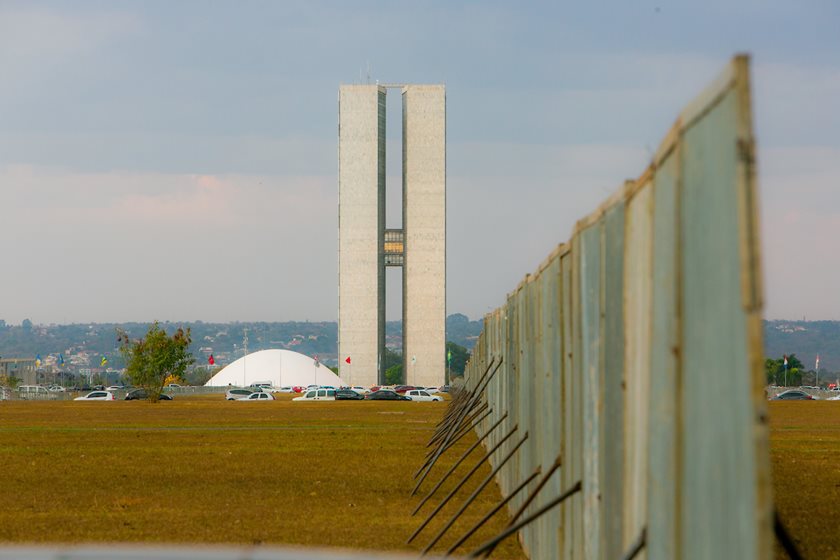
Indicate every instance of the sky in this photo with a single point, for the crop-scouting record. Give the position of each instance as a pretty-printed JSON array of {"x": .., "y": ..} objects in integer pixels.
[{"x": 178, "y": 160}]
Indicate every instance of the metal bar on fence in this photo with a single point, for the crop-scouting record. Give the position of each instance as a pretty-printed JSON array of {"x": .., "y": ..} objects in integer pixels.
[
  {"x": 637, "y": 546},
  {"x": 460, "y": 484},
  {"x": 455, "y": 425},
  {"x": 532, "y": 496},
  {"x": 482, "y": 485},
  {"x": 464, "y": 431},
  {"x": 455, "y": 408},
  {"x": 554, "y": 466},
  {"x": 469, "y": 423},
  {"x": 784, "y": 538},
  {"x": 493, "y": 511},
  {"x": 487, "y": 547},
  {"x": 458, "y": 462}
]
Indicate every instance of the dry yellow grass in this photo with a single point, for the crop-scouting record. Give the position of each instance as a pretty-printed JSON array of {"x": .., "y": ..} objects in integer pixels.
[
  {"x": 204, "y": 470},
  {"x": 805, "y": 453}
]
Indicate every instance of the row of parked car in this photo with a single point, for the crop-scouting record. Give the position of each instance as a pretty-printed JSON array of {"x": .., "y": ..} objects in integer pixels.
[
  {"x": 800, "y": 395},
  {"x": 132, "y": 395},
  {"x": 329, "y": 393}
]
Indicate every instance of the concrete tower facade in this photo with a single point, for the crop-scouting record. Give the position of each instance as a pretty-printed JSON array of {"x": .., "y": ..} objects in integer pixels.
[{"x": 366, "y": 247}]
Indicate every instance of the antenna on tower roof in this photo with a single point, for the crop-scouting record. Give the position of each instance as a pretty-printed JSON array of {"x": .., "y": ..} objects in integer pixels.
[{"x": 368, "y": 72}]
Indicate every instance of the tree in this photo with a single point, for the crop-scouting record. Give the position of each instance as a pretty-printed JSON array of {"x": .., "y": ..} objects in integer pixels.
[
  {"x": 9, "y": 381},
  {"x": 774, "y": 369},
  {"x": 460, "y": 355},
  {"x": 151, "y": 360},
  {"x": 394, "y": 375}
]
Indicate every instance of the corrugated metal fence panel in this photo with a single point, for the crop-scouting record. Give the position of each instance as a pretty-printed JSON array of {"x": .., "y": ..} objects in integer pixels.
[
  {"x": 719, "y": 496},
  {"x": 637, "y": 309},
  {"x": 572, "y": 457},
  {"x": 549, "y": 419},
  {"x": 663, "y": 487},
  {"x": 592, "y": 368},
  {"x": 619, "y": 347},
  {"x": 612, "y": 419}
]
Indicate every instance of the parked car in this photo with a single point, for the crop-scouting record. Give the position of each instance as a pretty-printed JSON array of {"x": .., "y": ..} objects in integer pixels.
[
  {"x": 317, "y": 395},
  {"x": 236, "y": 394},
  {"x": 115, "y": 388},
  {"x": 430, "y": 390},
  {"x": 97, "y": 396},
  {"x": 386, "y": 395},
  {"x": 834, "y": 398},
  {"x": 174, "y": 386},
  {"x": 360, "y": 390},
  {"x": 285, "y": 390},
  {"x": 401, "y": 389},
  {"x": 32, "y": 390},
  {"x": 422, "y": 396},
  {"x": 793, "y": 395},
  {"x": 348, "y": 395},
  {"x": 55, "y": 389},
  {"x": 141, "y": 394},
  {"x": 261, "y": 396}
]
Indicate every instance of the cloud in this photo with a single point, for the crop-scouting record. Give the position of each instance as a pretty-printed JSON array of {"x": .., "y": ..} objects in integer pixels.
[
  {"x": 799, "y": 189},
  {"x": 114, "y": 247},
  {"x": 35, "y": 40}
]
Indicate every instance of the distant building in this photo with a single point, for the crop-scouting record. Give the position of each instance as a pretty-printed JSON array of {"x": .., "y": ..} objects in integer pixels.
[
  {"x": 366, "y": 247},
  {"x": 20, "y": 368}
]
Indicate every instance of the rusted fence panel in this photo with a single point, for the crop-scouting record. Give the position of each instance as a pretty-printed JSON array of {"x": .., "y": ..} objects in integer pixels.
[{"x": 634, "y": 354}]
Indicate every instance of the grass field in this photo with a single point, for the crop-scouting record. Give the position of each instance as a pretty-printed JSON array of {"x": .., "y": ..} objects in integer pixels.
[
  {"x": 204, "y": 470},
  {"x": 805, "y": 452}
]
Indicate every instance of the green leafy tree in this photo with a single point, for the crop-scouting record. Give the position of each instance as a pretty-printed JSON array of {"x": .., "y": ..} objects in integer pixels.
[
  {"x": 460, "y": 355},
  {"x": 152, "y": 359},
  {"x": 775, "y": 370},
  {"x": 9, "y": 381},
  {"x": 393, "y": 364},
  {"x": 394, "y": 375}
]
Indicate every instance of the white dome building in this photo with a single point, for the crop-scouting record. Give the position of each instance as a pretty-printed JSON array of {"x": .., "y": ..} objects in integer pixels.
[{"x": 281, "y": 368}]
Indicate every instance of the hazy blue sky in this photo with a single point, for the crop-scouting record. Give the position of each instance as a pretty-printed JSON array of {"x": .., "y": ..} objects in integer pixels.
[{"x": 177, "y": 160}]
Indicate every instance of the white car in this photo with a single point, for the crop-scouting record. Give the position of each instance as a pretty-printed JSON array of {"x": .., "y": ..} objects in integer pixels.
[
  {"x": 317, "y": 395},
  {"x": 834, "y": 398},
  {"x": 97, "y": 396},
  {"x": 422, "y": 396},
  {"x": 236, "y": 394},
  {"x": 284, "y": 390},
  {"x": 431, "y": 390},
  {"x": 258, "y": 397},
  {"x": 360, "y": 390},
  {"x": 115, "y": 388}
]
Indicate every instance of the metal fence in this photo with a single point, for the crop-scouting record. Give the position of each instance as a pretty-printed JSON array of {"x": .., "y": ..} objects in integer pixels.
[
  {"x": 44, "y": 394},
  {"x": 633, "y": 356}
]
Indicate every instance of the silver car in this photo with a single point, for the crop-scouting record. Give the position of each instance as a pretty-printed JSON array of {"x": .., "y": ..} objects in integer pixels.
[{"x": 236, "y": 394}]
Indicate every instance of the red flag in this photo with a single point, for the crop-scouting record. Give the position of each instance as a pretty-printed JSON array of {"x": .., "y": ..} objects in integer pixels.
[
  {"x": 210, "y": 360},
  {"x": 348, "y": 359}
]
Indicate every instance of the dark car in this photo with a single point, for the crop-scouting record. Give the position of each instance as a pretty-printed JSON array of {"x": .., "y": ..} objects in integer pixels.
[
  {"x": 141, "y": 394},
  {"x": 386, "y": 395},
  {"x": 348, "y": 395},
  {"x": 793, "y": 396}
]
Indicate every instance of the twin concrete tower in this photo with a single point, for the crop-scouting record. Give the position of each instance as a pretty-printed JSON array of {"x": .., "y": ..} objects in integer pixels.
[{"x": 366, "y": 247}]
